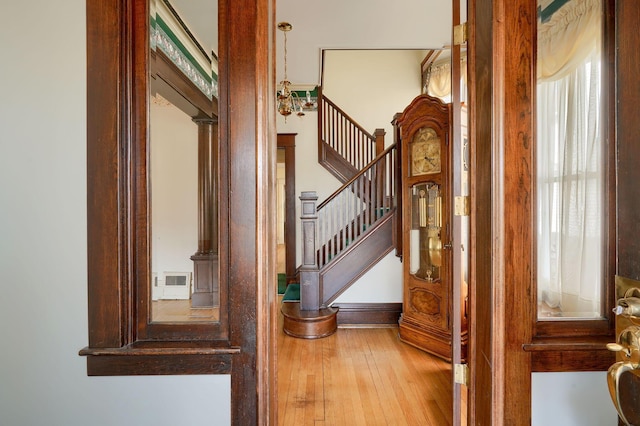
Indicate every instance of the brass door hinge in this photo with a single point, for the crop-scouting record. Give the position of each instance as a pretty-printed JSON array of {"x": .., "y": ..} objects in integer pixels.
[
  {"x": 461, "y": 374},
  {"x": 460, "y": 35},
  {"x": 462, "y": 206}
]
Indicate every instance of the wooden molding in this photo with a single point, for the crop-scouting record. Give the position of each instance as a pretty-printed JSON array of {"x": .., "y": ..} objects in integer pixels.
[
  {"x": 368, "y": 313},
  {"x": 171, "y": 83},
  {"x": 570, "y": 354},
  {"x": 287, "y": 142}
]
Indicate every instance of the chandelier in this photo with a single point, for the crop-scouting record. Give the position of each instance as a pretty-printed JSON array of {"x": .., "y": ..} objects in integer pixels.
[{"x": 288, "y": 100}]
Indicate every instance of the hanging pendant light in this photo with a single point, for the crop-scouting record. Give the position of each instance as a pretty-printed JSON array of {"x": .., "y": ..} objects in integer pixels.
[{"x": 287, "y": 100}]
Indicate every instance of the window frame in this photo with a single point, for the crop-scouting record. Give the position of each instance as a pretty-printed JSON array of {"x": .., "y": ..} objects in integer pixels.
[
  {"x": 118, "y": 224},
  {"x": 579, "y": 345},
  {"x": 117, "y": 117}
]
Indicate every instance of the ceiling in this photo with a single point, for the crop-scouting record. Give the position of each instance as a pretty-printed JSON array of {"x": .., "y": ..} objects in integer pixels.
[{"x": 334, "y": 24}]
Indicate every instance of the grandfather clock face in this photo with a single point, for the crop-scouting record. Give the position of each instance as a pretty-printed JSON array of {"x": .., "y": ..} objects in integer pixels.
[{"x": 425, "y": 152}]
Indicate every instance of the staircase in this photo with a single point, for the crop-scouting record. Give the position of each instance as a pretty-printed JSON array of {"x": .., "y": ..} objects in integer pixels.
[{"x": 349, "y": 232}]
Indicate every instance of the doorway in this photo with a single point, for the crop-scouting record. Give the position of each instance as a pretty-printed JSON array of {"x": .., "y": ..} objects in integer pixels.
[{"x": 286, "y": 206}]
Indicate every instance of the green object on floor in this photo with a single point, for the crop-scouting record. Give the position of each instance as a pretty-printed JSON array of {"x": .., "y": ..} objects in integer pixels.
[
  {"x": 282, "y": 283},
  {"x": 292, "y": 293}
]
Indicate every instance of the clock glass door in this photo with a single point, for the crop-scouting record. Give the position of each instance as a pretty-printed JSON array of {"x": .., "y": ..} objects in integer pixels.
[{"x": 425, "y": 232}]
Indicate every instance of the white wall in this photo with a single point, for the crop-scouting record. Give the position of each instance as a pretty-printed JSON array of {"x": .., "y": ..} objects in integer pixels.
[
  {"x": 43, "y": 305},
  {"x": 571, "y": 399},
  {"x": 373, "y": 85},
  {"x": 174, "y": 191}
]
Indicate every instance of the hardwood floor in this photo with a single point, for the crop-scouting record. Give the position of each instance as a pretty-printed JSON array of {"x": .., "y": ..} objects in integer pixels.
[
  {"x": 361, "y": 376},
  {"x": 181, "y": 311}
]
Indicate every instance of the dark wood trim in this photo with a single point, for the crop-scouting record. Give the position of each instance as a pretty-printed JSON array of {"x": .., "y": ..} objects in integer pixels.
[
  {"x": 570, "y": 354},
  {"x": 104, "y": 178},
  {"x": 501, "y": 63},
  {"x": 132, "y": 365},
  {"x": 117, "y": 183},
  {"x": 513, "y": 196},
  {"x": 481, "y": 399},
  {"x": 368, "y": 313},
  {"x": 398, "y": 228},
  {"x": 572, "y": 330},
  {"x": 248, "y": 243},
  {"x": 458, "y": 316},
  {"x": 628, "y": 128},
  {"x": 171, "y": 83},
  {"x": 502, "y": 129},
  {"x": 122, "y": 340},
  {"x": 287, "y": 142}
]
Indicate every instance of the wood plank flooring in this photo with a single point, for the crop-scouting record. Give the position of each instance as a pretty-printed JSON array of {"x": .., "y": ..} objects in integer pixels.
[
  {"x": 361, "y": 376},
  {"x": 181, "y": 311}
]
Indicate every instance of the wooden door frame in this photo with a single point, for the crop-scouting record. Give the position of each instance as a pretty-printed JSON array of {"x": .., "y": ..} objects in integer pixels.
[
  {"x": 502, "y": 128},
  {"x": 457, "y": 251},
  {"x": 287, "y": 142},
  {"x": 247, "y": 131}
]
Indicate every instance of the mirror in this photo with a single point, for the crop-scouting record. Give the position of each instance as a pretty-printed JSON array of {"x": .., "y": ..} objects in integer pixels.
[{"x": 183, "y": 161}]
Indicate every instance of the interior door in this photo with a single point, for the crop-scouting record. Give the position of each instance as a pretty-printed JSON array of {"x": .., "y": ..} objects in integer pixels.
[{"x": 460, "y": 209}]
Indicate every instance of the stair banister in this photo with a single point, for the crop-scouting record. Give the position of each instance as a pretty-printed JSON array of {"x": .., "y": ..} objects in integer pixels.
[
  {"x": 344, "y": 147},
  {"x": 333, "y": 228},
  {"x": 354, "y": 178}
]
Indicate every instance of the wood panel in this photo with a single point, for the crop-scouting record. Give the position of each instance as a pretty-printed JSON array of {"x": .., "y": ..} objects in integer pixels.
[
  {"x": 248, "y": 243},
  {"x": 514, "y": 136},
  {"x": 105, "y": 64},
  {"x": 368, "y": 313},
  {"x": 480, "y": 75},
  {"x": 501, "y": 61},
  {"x": 628, "y": 128}
]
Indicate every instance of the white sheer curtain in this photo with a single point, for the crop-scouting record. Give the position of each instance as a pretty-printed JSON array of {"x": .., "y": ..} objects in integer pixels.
[
  {"x": 440, "y": 80},
  {"x": 570, "y": 165}
]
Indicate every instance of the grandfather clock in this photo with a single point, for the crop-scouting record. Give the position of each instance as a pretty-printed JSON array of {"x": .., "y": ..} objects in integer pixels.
[{"x": 423, "y": 130}]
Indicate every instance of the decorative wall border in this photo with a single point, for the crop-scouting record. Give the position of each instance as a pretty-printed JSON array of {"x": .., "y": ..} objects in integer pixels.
[{"x": 181, "y": 49}]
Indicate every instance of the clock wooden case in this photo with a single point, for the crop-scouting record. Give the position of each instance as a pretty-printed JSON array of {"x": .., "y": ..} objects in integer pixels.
[{"x": 423, "y": 130}]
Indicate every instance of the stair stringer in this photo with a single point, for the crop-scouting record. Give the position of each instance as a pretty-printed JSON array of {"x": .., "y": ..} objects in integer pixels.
[
  {"x": 336, "y": 164},
  {"x": 344, "y": 270}
]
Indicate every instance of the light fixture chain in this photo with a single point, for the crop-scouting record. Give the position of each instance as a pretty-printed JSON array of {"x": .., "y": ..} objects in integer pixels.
[{"x": 285, "y": 55}]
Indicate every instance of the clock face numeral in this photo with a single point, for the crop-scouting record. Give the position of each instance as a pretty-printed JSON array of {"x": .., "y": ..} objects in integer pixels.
[{"x": 425, "y": 152}]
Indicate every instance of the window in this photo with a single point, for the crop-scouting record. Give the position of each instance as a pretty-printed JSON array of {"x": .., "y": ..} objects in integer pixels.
[
  {"x": 575, "y": 171},
  {"x": 570, "y": 165}
]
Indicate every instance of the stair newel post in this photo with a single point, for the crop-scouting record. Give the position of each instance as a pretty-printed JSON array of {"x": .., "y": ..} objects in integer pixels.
[
  {"x": 309, "y": 272},
  {"x": 379, "y": 135}
]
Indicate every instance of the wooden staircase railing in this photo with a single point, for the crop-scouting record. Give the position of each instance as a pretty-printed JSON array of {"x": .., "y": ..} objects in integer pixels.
[
  {"x": 358, "y": 216},
  {"x": 344, "y": 147}
]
